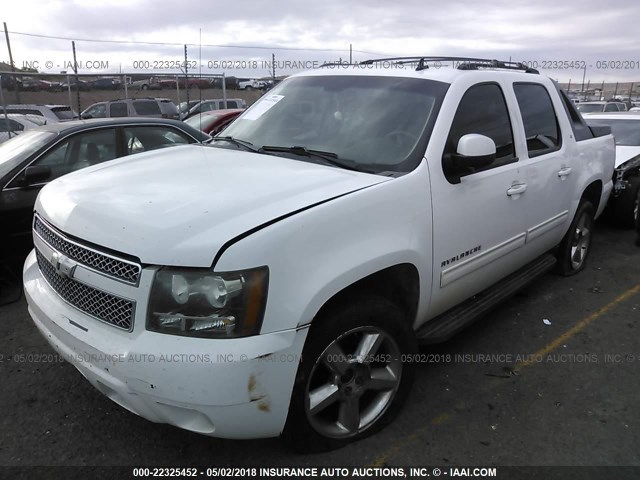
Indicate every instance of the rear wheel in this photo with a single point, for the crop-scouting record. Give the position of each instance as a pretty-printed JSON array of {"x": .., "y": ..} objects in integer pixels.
[
  {"x": 576, "y": 244},
  {"x": 626, "y": 205},
  {"x": 352, "y": 380}
]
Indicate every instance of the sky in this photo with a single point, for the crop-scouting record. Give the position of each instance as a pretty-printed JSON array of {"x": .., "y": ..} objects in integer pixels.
[{"x": 565, "y": 39}]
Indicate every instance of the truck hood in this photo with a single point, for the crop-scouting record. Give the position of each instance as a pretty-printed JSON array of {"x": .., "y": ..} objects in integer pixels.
[
  {"x": 179, "y": 206},
  {"x": 624, "y": 153}
]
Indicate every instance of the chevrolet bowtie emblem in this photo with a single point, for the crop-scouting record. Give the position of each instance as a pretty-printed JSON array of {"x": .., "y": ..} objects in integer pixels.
[{"x": 63, "y": 265}]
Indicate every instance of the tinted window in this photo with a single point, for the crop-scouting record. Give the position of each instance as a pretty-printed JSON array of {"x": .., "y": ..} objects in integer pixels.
[
  {"x": 8, "y": 125},
  {"x": 626, "y": 132},
  {"x": 14, "y": 151},
  {"x": 589, "y": 107},
  {"x": 580, "y": 129},
  {"x": 483, "y": 110},
  {"x": 63, "y": 113},
  {"x": 80, "y": 151},
  {"x": 539, "y": 118},
  {"x": 144, "y": 139},
  {"x": 146, "y": 107},
  {"x": 25, "y": 111},
  {"x": 118, "y": 109},
  {"x": 611, "y": 107},
  {"x": 97, "y": 111},
  {"x": 232, "y": 104}
]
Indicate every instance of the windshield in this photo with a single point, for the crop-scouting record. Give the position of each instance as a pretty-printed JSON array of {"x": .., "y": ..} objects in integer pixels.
[
  {"x": 626, "y": 132},
  {"x": 202, "y": 121},
  {"x": 13, "y": 151},
  {"x": 367, "y": 121},
  {"x": 590, "y": 107}
]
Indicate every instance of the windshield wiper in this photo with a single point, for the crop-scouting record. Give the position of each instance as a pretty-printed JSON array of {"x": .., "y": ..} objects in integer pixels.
[
  {"x": 329, "y": 157},
  {"x": 236, "y": 141}
]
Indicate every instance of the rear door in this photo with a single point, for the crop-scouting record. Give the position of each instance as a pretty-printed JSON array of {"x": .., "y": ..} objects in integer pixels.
[
  {"x": 548, "y": 162},
  {"x": 478, "y": 223}
]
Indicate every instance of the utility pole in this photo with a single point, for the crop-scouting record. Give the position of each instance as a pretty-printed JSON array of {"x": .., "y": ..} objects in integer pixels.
[
  {"x": 186, "y": 78},
  {"x": 273, "y": 67},
  {"x": 13, "y": 67},
  {"x": 75, "y": 70},
  {"x": 350, "y": 54},
  {"x": 615, "y": 91},
  {"x": 584, "y": 74}
]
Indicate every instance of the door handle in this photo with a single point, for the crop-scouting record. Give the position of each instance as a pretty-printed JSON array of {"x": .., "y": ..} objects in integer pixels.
[
  {"x": 564, "y": 171},
  {"x": 517, "y": 189}
]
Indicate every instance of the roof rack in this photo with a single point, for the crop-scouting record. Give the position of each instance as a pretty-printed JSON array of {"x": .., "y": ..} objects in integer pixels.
[{"x": 464, "y": 63}]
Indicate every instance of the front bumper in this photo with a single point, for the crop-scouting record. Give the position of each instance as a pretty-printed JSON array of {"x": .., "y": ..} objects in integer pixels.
[{"x": 231, "y": 388}]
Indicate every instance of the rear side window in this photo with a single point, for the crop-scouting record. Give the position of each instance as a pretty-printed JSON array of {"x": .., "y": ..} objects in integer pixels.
[
  {"x": 8, "y": 125},
  {"x": 539, "y": 118},
  {"x": 611, "y": 107},
  {"x": 24, "y": 111},
  {"x": 63, "y": 113},
  {"x": 483, "y": 110},
  {"x": 118, "y": 109},
  {"x": 146, "y": 107},
  {"x": 580, "y": 129},
  {"x": 232, "y": 104}
]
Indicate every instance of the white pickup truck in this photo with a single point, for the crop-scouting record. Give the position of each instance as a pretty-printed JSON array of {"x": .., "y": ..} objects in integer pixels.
[{"x": 279, "y": 281}]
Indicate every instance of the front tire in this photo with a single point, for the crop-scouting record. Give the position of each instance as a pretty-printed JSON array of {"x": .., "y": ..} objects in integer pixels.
[
  {"x": 576, "y": 244},
  {"x": 352, "y": 380}
]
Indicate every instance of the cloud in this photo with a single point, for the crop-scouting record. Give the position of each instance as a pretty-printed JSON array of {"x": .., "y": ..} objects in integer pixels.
[{"x": 545, "y": 30}]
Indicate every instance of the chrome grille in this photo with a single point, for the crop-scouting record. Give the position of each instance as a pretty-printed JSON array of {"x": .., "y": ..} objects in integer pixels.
[
  {"x": 110, "y": 266},
  {"x": 103, "y": 306}
]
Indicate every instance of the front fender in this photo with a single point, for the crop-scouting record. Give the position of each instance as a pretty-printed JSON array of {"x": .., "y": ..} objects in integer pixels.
[{"x": 318, "y": 252}]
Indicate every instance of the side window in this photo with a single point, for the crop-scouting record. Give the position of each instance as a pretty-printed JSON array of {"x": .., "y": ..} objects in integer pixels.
[
  {"x": 539, "y": 118},
  {"x": 80, "y": 151},
  {"x": 611, "y": 107},
  {"x": 232, "y": 104},
  {"x": 97, "y": 111},
  {"x": 144, "y": 139},
  {"x": 118, "y": 110},
  {"x": 8, "y": 125},
  {"x": 146, "y": 107},
  {"x": 483, "y": 110}
]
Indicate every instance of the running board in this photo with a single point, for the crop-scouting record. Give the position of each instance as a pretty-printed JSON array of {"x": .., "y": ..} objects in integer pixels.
[{"x": 446, "y": 325}]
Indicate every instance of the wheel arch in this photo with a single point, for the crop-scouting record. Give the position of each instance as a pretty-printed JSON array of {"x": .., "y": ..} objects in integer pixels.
[{"x": 400, "y": 284}]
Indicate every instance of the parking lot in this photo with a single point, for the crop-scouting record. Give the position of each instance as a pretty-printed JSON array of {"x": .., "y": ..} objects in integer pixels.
[{"x": 548, "y": 378}]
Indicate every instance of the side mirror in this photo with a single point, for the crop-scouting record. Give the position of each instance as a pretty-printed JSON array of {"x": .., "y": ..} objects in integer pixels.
[
  {"x": 474, "y": 151},
  {"x": 36, "y": 174}
]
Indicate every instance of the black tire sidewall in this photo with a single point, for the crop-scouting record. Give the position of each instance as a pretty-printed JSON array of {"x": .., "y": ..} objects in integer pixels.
[{"x": 298, "y": 432}]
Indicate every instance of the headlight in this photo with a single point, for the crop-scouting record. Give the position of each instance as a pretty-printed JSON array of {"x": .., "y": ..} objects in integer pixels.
[{"x": 200, "y": 303}]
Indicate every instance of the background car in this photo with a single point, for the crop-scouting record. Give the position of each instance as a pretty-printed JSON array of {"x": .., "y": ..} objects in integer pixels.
[
  {"x": 215, "y": 121},
  {"x": 625, "y": 126},
  {"x": 184, "y": 107},
  {"x": 14, "y": 124},
  {"x": 34, "y": 158},
  {"x": 151, "y": 83},
  {"x": 132, "y": 107},
  {"x": 601, "y": 106},
  {"x": 52, "y": 113},
  {"x": 215, "y": 104},
  {"x": 106, "y": 84},
  {"x": 81, "y": 85}
]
